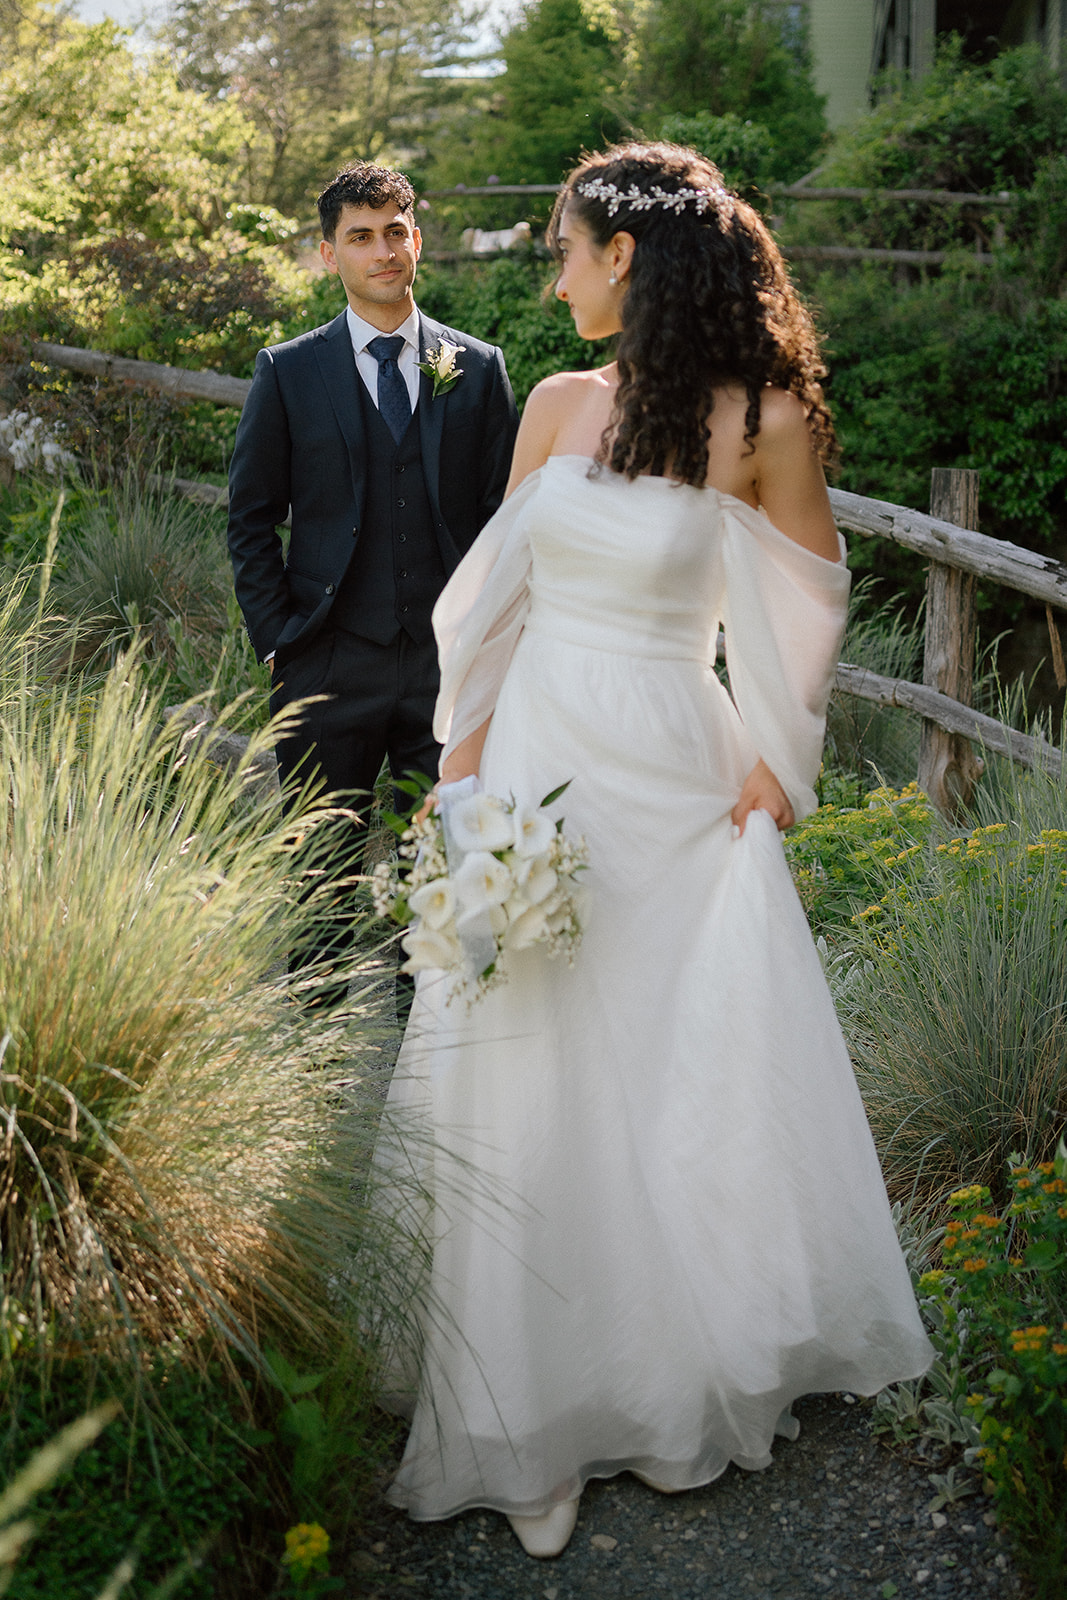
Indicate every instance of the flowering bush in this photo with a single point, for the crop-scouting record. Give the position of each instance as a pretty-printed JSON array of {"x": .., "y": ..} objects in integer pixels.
[
  {"x": 998, "y": 862},
  {"x": 842, "y": 857},
  {"x": 485, "y": 878},
  {"x": 1001, "y": 1303}
]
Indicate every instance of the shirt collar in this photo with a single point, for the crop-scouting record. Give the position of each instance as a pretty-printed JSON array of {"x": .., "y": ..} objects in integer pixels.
[{"x": 361, "y": 333}]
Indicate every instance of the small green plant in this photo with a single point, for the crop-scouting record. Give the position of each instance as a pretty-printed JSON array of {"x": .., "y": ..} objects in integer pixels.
[
  {"x": 306, "y": 1560},
  {"x": 1002, "y": 1300},
  {"x": 46, "y": 1464}
]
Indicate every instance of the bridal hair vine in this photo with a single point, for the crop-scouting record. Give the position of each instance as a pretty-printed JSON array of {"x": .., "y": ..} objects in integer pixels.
[{"x": 712, "y": 198}]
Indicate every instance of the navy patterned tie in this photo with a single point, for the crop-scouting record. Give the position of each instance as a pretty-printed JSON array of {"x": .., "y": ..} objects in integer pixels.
[{"x": 394, "y": 402}]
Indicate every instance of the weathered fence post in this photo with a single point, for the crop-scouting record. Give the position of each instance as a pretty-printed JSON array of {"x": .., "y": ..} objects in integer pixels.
[{"x": 948, "y": 766}]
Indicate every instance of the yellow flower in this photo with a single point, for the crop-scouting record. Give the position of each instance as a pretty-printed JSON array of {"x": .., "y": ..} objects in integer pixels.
[
  {"x": 305, "y": 1545},
  {"x": 973, "y": 1193}
]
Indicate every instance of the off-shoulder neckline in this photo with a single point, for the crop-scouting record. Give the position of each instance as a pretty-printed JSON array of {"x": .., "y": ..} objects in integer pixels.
[
  {"x": 721, "y": 495},
  {"x": 675, "y": 483}
]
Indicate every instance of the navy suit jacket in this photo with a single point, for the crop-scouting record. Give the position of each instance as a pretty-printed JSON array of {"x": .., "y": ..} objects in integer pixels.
[{"x": 300, "y": 446}]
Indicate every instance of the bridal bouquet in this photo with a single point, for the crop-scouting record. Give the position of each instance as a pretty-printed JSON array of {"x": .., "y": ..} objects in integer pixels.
[{"x": 478, "y": 878}]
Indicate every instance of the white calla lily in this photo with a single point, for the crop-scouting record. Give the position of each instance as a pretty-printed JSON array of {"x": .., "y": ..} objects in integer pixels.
[
  {"x": 534, "y": 830},
  {"x": 540, "y": 883},
  {"x": 429, "y": 950},
  {"x": 482, "y": 881},
  {"x": 481, "y": 823},
  {"x": 435, "y": 903},
  {"x": 527, "y": 929}
]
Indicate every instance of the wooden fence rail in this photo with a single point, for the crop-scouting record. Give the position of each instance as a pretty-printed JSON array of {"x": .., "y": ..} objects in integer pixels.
[{"x": 951, "y": 549}]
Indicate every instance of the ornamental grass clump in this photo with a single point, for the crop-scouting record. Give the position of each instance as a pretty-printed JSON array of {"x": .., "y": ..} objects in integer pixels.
[
  {"x": 138, "y": 560},
  {"x": 954, "y": 1009},
  {"x": 169, "y": 1167}
]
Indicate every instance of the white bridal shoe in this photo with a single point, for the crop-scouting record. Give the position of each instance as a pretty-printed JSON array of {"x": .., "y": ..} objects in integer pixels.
[
  {"x": 650, "y": 1483},
  {"x": 548, "y": 1535}
]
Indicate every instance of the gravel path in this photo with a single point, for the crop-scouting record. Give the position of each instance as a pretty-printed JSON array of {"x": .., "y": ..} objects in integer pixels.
[{"x": 838, "y": 1516}]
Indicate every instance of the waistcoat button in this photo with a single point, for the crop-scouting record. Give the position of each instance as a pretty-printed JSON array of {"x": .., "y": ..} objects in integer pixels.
[
  {"x": 329, "y": 588},
  {"x": 401, "y": 502}
]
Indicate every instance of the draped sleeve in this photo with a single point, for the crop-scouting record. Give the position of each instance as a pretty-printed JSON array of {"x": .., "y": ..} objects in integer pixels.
[
  {"x": 784, "y": 612},
  {"x": 478, "y": 619}
]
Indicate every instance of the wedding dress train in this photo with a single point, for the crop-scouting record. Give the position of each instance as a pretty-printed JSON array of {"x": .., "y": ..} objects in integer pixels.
[{"x": 657, "y": 1213}]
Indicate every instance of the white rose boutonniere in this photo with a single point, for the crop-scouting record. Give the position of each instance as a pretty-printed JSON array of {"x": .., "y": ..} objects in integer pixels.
[{"x": 440, "y": 365}]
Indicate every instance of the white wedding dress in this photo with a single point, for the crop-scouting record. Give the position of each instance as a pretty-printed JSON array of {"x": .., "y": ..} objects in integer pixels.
[{"x": 657, "y": 1217}]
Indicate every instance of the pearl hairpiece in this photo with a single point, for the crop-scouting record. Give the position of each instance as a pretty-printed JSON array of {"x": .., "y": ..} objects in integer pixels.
[{"x": 714, "y": 197}]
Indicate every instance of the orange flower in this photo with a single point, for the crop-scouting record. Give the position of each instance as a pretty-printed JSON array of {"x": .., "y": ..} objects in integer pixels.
[{"x": 975, "y": 1264}]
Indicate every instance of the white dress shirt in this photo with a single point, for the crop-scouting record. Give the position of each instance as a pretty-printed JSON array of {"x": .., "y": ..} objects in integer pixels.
[{"x": 408, "y": 360}]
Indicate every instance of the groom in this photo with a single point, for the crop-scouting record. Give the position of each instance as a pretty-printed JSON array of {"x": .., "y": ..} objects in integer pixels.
[{"x": 389, "y": 472}]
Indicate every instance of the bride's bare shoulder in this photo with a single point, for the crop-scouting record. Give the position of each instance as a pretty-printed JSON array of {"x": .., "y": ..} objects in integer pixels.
[
  {"x": 567, "y": 392},
  {"x": 564, "y": 412}
]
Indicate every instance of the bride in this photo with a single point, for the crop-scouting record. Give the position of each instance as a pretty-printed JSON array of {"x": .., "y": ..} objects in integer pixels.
[{"x": 657, "y": 1215}]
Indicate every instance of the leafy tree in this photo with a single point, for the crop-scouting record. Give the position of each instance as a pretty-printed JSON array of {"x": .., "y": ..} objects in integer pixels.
[
  {"x": 322, "y": 80},
  {"x": 976, "y": 128},
  {"x": 713, "y": 58},
  {"x": 743, "y": 150},
  {"x": 95, "y": 141},
  {"x": 559, "y": 93},
  {"x": 960, "y": 365}
]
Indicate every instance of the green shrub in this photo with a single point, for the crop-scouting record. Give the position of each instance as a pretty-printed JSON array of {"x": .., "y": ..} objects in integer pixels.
[
  {"x": 842, "y": 856},
  {"x": 871, "y": 744},
  {"x": 1002, "y": 1303},
  {"x": 501, "y": 301},
  {"x": 172, "y": 1475}
]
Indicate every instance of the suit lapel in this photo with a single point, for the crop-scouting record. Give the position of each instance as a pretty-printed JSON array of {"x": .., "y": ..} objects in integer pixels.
[{"x": 337, "y": 363}]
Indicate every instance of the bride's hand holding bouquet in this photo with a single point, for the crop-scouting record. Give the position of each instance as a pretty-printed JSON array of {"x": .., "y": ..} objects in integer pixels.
[{"x": 478, "y": 877}]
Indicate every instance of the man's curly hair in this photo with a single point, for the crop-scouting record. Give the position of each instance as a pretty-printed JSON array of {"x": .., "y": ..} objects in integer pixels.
[
  {"x": 708, "y": 302},
  {"x": 362, "y": 183}
]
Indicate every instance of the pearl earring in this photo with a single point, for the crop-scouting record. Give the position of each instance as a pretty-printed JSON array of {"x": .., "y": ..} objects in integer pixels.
[{"x": 613, "y": 281}]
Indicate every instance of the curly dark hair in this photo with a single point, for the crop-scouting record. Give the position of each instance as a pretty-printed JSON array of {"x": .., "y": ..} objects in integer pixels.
[
  {"x": 361, "y": 183},
  {"x": 708, "y": 302}
]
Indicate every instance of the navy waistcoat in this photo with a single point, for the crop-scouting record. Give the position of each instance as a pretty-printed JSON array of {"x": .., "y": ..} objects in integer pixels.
[{"x": 396, "y": 572}]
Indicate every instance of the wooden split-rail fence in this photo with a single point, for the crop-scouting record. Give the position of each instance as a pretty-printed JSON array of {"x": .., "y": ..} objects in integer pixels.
[
  {"x": 949, "y": 763},
  {"x": 974, "y": 206}
]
